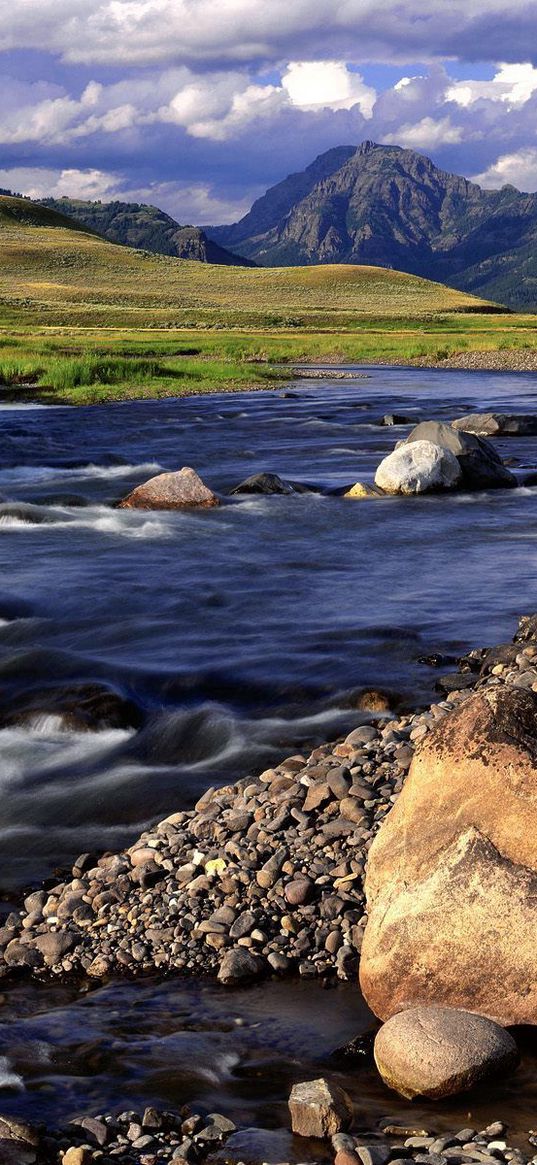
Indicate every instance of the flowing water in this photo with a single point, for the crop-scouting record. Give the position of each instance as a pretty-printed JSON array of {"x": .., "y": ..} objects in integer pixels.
[{"x": 235, "y": 636}]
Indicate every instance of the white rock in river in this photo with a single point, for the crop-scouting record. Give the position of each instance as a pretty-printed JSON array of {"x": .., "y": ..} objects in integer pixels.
[{"x": 418, "y": 468}]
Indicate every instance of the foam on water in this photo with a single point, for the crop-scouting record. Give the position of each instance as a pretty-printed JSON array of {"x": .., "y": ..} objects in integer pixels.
[
  {"x": 8, "y": 1078},
  {"x": 28, "y": 474}
]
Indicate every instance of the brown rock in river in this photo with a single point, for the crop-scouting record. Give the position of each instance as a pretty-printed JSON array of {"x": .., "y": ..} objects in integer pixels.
[
  {"x": 319, "y": 1108},
  {"x": 170, "y": 491},
  {"x": 452, "y": 874}
]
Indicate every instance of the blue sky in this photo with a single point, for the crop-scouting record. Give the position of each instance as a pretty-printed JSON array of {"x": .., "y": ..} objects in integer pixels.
[{"x": 199, "y": 105}]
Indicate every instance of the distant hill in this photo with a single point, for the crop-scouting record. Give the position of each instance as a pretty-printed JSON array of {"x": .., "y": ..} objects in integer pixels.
[
  {"x": 54, "y": 270},
  {"x": 392, "y": 207},
  {"x": 145, "y": 227}
]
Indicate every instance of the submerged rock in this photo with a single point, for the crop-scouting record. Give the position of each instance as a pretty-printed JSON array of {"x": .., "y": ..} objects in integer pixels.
[
  {"x": 498, "y": 424},
  {"x": 390, "y": 419},
  {"x": 481, "y": 465},
  {"x": 268, "y": 483},
  {"x": 422, "y": 467},
  {"x": 319, "y": 1109},
  {"x": 452, "y": 875},
  {"x": 362, "y": 490},
  {"x": 183, "y": 489},
  {"x": 439, "y": 1051}
]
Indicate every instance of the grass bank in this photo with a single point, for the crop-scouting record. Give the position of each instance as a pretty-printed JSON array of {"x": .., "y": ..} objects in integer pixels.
[{"x": 87, "y": 365}]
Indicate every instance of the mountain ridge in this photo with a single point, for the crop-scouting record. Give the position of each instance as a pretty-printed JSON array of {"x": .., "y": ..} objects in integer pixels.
[
  {"x": 145, "y": 227},
  {"x": 389, "y": 206}
]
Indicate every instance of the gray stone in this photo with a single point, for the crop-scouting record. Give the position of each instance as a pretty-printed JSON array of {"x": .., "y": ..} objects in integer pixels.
[
  {"x": 498, "y": 424},
  {"x": 439, "y": 1051},
  {"x": 481, "y": 465},
  {"x": 238, "y": 966},
  {"x": 418, "y": 467}
]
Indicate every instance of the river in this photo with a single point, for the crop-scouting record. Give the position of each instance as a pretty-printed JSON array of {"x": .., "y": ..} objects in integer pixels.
[{"x": 237, "y": 635}]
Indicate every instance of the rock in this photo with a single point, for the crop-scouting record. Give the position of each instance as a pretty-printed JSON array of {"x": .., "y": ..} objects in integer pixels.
[
  {"x": 457, "y": 854},
  {"x": 18, "y": 1142},
  {"x": 439, "y": 1051},
  {"x": 319, "y": 1109},
  {"x": 390, "y": 419},
  {"x": 170, "y": 491},
  {"x": 481, "y": 465},
  {"x": 77, "y": 1156},
  {"x": 267, "y": 483},
  {"x": 498, "y": 424},
  {"x": 362, "y": 490},
  {"x": 83, "y": 708},
  {"x": 420, "y": 467},
  {"x": 299, "y": 892},
  {"x": 96, "y": 1130},
  {"x": 527, "y": 629},
  {"x": 54, "y": 945},
  {"x": 253, "y": 1146},
  {"x": 238, "y": 966}
]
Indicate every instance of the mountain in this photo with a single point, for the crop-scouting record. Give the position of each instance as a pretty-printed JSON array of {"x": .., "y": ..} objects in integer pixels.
[
  {"x": 392, "y": 207},
  {"x": 147, "y": 228}
]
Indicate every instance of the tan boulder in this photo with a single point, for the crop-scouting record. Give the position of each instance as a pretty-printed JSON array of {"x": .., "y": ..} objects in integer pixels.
[
  {"x": 439, "y": 1051},
  {"x": 452, "y": 875},
  {"x": 362, "y": 490},
  {"x": 319, "y": 1108},
  {"x": 170, "y": 491}
]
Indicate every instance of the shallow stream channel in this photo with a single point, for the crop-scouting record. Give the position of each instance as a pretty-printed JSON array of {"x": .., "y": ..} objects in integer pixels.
[{"x": 228, "y": 639}]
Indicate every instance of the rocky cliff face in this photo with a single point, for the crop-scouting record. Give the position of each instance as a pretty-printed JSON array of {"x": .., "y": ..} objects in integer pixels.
[{"x": 391, "y": 207}]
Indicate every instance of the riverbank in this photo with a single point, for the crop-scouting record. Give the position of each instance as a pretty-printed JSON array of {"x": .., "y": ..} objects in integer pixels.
[
  {"x": 262, "y": 877},
  {"x": 73, "y": 365}
]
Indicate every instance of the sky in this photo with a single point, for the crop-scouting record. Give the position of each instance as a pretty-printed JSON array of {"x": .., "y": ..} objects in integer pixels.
[{"x": 197, "y": 106}]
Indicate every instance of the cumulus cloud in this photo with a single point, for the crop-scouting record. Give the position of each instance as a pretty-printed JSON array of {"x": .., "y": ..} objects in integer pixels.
[
  {"x": 36, "y": 182},
  {"x": 327, "y": 84},
  {"x": 512, "y": 84},
  {"x": 517, "y": 169},
  {"x": 426, "y": 134},
  {"x": 187, "y": 202},
  {"x": 151, "y": 31}
]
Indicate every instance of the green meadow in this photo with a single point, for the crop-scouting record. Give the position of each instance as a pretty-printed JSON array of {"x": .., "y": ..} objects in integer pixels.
[{"x": 83, "y": 320}]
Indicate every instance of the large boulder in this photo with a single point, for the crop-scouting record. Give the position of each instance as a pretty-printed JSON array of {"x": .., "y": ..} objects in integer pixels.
[
  {"x": 439, "y": 1051},
  {"x": 183, "y": 489},
  {"x": 481, "y": 465},
  {"x": 422, "y": 467},
  {"x": 451, "y": 882},
  {"x": 498, "y": 424}
]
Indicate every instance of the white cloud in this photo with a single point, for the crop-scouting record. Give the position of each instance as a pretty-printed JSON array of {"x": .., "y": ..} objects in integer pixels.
[
  {"x": 517, "y": 169},
  {"x": 327, "y": 84},
  {"x": 512, "y": 84},
  {"x": 184, "y": 31},
  {"x": 426, "y": 134},
  {"x": 41, "y": 182},
  {"x": 193, "y": 202}
]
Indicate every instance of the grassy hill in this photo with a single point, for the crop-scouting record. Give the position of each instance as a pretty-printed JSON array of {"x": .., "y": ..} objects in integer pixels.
[
  {"x": 84, "y": 320},
  {"x": 55, "y": 271}
]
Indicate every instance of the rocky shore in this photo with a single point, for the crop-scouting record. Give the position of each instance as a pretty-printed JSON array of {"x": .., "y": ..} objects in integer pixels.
[
  {"x": 262, "y": 877},
  {"x": 154, "y": 1137}
]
